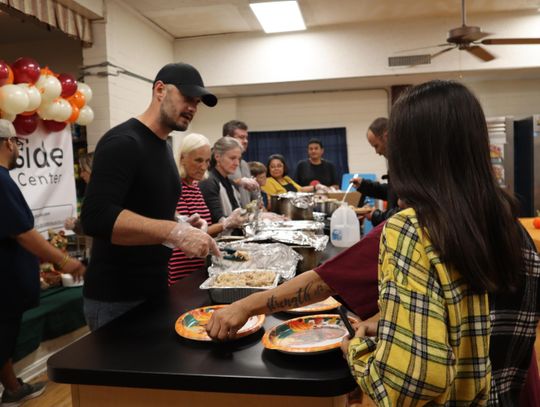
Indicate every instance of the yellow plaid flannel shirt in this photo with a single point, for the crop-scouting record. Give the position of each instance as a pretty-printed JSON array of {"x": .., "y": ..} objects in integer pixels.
[{"x": 432, "y": 345}]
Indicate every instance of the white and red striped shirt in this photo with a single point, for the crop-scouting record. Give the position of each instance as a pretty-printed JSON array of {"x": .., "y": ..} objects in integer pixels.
[{"x": 191, "y": 201}]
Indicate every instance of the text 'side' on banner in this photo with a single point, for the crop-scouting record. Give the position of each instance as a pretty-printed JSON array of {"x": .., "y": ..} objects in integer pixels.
[{"x": 44, "y": 174}]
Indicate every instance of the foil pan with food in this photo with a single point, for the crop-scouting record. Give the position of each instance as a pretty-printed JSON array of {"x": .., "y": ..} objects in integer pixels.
[
  {"x": 291, "y": 237},
  {"x": 230, "y": 286},
  {"x": 287, "y": 225},
  {"x": 238, "y": 256}
]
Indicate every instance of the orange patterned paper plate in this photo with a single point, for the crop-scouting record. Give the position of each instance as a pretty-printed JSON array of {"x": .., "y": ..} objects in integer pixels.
[
  {"x": 191, "y": 324},
  {"x": 308, "y": 334},
  {"x": 321, "y": 306}
]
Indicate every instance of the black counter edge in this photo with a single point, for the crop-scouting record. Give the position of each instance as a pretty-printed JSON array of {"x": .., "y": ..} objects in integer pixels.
[{"x": 214, "y": 384}]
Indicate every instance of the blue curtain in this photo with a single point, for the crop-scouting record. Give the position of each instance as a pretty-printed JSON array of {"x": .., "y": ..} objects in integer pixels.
[{"x": 292, "y": 144}]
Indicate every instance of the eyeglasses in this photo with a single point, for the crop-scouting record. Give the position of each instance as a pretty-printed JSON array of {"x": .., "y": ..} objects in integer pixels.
[{"x": 15, "y": 139}]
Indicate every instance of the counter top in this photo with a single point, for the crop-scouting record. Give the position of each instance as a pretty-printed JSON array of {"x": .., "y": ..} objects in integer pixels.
[
  {"x": 142, "y": 349},
  {"x": 535, "y": 233}
]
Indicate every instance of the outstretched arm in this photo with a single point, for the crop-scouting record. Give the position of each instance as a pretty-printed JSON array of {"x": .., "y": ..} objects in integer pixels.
[{"x": 307, "y": 288}]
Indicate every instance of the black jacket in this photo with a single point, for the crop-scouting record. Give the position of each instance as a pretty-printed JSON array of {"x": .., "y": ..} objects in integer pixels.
[{"x": 380, "y": 191}]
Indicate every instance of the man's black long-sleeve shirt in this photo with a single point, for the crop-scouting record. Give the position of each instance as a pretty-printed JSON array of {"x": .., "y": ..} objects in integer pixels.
[{"x": 133, "y": 169}]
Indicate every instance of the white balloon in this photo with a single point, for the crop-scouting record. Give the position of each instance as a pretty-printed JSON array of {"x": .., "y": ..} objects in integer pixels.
[
  {"x": 8, "y": 116},
  {"x": 49, "y": 87},
  {"x": 61, "y": 110},
  {"x": 34, "y": 96},
  {"x": 46, "y": 111},
  {"x": 13, "y": 99},
  {"x": 85, "y": 90},
  {"x": 86, "y": 115}
]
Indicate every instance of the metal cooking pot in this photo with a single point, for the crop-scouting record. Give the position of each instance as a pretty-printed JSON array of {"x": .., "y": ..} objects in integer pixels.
[
  {"x": 310, "y": 258},
  {"x": 294, "y": 206},
  {"x": 327, "y": 207}
]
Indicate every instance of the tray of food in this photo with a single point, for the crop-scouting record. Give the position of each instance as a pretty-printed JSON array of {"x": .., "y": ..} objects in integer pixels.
[
  {"x": 227, "y": 287},
  {"x": 238, "y": 256}
]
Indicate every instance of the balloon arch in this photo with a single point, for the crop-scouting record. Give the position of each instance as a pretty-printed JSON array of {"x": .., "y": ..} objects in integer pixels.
[{"x": 29, "y": 93}]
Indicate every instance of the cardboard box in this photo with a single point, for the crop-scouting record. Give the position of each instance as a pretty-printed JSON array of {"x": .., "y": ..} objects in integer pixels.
[{"x": 352, "y": 198}]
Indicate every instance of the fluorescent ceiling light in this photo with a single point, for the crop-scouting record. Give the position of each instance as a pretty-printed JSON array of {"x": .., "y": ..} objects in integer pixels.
[{"x": 279, "y": 16}]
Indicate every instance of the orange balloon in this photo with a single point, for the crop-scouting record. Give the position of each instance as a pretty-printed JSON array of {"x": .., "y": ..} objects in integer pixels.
[
  {"x": 74, "y": 115},
  {"x": 46, "y": 71},
  {"x": 10, "y": 76},
  {"x": 77, "y": 99},
  {"x": 29, "y": 113}
]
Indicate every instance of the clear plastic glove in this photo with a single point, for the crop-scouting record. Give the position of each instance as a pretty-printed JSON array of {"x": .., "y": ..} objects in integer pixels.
[
  {"x": 271, "y": 216},
  {"x": 236, "y": 219},
  {"x": 69, "y": 223},
  {"x": 250, "y": 184},
  {"x": 322, "y": 189},
  {"x": 192, "y": 241},
  {"x": 196, "y": 221}
]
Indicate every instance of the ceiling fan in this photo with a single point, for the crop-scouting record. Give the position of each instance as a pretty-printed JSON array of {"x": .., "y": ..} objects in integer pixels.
[{"x": 470, "y": 39}]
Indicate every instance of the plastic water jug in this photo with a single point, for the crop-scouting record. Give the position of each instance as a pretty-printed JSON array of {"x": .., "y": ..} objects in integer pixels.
[{"x": 344, "y": 227}]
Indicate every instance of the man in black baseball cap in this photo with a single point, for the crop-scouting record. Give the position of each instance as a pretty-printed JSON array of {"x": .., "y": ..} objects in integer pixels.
[
  {"x": 188, "y": 81},
  {"x": 130, "y": 202}
]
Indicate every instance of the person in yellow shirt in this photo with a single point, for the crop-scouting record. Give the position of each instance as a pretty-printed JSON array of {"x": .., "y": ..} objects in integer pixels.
[{"x": 278, "y": 182}]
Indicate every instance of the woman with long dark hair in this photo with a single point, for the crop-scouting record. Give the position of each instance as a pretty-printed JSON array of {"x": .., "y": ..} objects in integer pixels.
[{"x": 453, "y": 255}]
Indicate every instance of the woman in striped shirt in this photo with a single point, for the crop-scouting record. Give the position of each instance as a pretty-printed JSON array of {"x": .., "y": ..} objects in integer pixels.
[{"x": 194, "y": 162}]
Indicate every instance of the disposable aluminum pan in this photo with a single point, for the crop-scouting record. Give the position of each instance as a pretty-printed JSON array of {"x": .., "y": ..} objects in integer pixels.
[
  {"x": 291, "y": 237},
  {"x": 226, "y": 295},
  {"x": 290, "y": 225},
  {"x": 272, "y": 256}
]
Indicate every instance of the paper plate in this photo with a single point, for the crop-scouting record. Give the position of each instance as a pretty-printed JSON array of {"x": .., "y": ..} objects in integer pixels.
[
  {"x": 307, "y": 335},
  {"x": 321, "y": 306},
  {"x": 191, "y": 324}
]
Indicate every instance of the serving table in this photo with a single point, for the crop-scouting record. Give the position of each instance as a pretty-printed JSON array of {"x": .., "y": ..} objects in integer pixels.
[
  {"x": 60, "y": 311},
  {"x": 139, "y": 360}
]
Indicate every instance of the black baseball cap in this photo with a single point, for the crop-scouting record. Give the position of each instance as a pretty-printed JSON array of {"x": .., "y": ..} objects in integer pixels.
[{"x": 188, "y": 81}]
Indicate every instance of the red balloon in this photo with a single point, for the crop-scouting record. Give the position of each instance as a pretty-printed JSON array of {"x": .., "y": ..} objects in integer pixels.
[
  {"x": 52, "y": 125},
  {"x": 69, "y": 85},
  {"x": 25, "y": 125},
  {"x": 4, "y": 73},
  {"x": 25, "y": 70}
]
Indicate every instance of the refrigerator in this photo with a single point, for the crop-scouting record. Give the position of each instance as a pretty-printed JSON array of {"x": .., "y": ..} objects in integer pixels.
[
  {"x": 527, "y": 164},
  {"x": 515, "y": 156}
]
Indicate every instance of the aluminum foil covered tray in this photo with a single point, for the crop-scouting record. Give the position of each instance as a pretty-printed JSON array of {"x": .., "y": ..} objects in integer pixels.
[
  {"x": 252, "y": 229},
  {"x": 294, "y": 232},
  {"x": 238, "y": 256},
  {"x": 292, "y": 237}
]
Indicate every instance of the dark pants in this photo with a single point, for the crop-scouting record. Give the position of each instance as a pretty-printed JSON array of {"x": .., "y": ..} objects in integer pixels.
[{"x": 9, "y": 331}]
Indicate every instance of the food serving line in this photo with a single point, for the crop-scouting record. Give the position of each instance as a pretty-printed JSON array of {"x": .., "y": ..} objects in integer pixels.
[
  {"x": 139, "y": 360},
  {"x": 157, "y": 354}
]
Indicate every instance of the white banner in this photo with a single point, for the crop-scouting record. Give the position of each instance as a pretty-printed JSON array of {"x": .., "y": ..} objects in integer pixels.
[{"x": 44, "y": 174}]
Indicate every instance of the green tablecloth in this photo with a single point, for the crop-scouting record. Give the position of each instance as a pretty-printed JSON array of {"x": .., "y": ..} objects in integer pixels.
[{"x": 60, "y": 312}]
